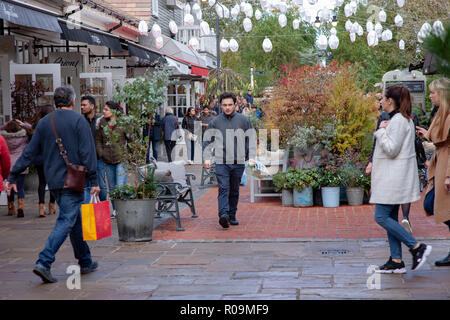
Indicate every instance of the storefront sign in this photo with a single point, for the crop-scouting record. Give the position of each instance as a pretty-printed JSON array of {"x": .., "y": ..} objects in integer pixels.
[
  {"x": 117, "y": 67},
  {"x": 67, "y": 60}
]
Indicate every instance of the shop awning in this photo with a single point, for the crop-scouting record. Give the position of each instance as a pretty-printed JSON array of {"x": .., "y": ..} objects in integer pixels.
[
  {"x": 74, "y": 32},
  {"x": 199, "y": 71},
  {"x": 28, "y": 17},
  {"x": 143, "y": 53},
  {"x": 179, "y": 68}
]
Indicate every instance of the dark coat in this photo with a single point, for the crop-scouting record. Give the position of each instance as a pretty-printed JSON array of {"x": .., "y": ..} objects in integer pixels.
[
  {"x": 168, "y": 125},
  {"x": 154, "y": 130}
]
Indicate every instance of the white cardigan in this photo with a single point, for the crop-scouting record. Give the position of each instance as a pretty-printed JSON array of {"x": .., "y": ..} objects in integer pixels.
[{"x": 395, "y": 178}]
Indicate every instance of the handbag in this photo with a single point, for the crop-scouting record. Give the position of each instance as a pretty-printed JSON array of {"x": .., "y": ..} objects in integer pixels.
[
  {"x": 76, "y": 174},
  {"x": 191, "y": 136},
  {"x": 95, "y": 219},
  {"x": 428, "y": 202}
]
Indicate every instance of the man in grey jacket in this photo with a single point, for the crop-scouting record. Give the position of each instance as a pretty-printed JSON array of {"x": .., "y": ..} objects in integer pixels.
[{"x": 234, "y": 143}]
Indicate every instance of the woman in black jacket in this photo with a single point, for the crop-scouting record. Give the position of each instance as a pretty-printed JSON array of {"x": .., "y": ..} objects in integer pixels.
[{"x": 188, "y": 124}]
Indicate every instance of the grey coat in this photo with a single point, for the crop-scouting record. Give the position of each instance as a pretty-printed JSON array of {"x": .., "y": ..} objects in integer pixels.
[{"x": 168, "y": 126}]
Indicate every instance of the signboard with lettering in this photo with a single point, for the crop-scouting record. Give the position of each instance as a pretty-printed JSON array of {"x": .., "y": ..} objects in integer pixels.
[
  {"x": 413, "y": 86},
  {"x": 117, "y": 67}
]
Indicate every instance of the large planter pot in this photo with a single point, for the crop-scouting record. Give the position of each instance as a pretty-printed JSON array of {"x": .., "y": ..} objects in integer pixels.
[
  {"x": 355, "y": 196},
  {"x": 317, "y": 197},
  {"x": 135, "y": 219},
  {"x": 330, "y": 196},
  {"x": 303, "y": 198},
  {"x": 31, "y": 182},
  {"x": 287, "y": 198}
]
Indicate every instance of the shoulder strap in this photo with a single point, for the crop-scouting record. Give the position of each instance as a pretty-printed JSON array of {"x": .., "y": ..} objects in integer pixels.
[{"x": 58, "y": 141}]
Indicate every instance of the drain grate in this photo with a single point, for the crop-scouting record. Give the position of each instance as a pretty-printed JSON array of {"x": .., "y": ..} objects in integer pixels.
[{"x": 334, "y": 252}]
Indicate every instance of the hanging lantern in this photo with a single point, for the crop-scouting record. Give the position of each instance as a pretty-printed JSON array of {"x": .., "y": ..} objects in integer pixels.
[
  {"x": 322, "y": 42},
  {"x": 347, "y": 10},
  {"x": 365, "y": 3},
  {"x": 235, "y": 11},
  {"x": 282, "y": 20},
  {"x": 248, "y": 10},
  {"x": 400, "y": 3},
  {"x": 199, "y": 15},
  {"x": 378, "y": 28},
  {"x": 348, "y": 25},
  {"x": 369, "y": 26},
  {"x": 401, "y": 44},
  {"x": 143, "y": 27},
  {"x": 398, "y": 20},
  {"x": 204, "y": 28},
  {"x": 352, "y": 37},
  {"x": 299, "y": 3},
  {"x": 382, "y": 16},
  {"x": 195, "y": 8},
  {"x": 360, "y": 31},
  {"x": 224, "y": 45},
  {"x": 247, "y": 23},
  {"x": 333, "y": 31},
  {"x": 211, "y": 2},
  {"x": 156, "y": 31},
  {"x": 355, "y": 27},
  {"x": 425, "y": 30},
  {"x": 194, "y": 44},
  {"x": 189, "y": 20},
  {"x": 333, "y": 42},
  {"x": 295, "y": 24},
  {"x": 173, "y": 27},
  {"x": 159, "y": 42},
  {"x": 234, "y": 46},
  {"x": 438, "y": 28},
  {"x": 220, "y": 11},
  {"x": 242, "y": 6},
  {"x": 267, "y": 45},
  {"x": 386, "y": 35},
  {"x": 282, "y": 7},
  {"x": 187, "y": 8},
  {"x": 258, "y": 14},
  {"x": 353, "y": 6},
  {"x": 372, "y": 38}
]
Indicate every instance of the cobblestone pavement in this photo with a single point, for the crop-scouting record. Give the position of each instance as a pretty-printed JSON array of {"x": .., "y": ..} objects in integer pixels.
[{"x": 225, "y": 267}]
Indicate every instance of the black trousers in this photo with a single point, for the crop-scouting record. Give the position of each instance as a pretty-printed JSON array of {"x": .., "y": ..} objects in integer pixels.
[
  {"x": 42, "y": 184},
  {"x": 169, "y": 147}
]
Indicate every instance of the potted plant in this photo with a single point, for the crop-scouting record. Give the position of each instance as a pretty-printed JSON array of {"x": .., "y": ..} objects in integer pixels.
[
  {"x": 355, "y": 182},
  {"x": 135, "y": 204},
  {"x": 284, "y": 181},
  {"x": 330, "y": 182},
  {"x": 303, "y": 187}
]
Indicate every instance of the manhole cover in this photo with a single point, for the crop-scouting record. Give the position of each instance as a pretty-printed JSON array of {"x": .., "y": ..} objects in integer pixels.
[{"x": 334, "y": 252}]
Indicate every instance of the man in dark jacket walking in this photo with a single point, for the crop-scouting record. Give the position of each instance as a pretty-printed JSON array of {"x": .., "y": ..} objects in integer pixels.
[
  {"x": 153, "y": 131},
  {"x": 169, "y": 125},
  {"x": 234, "y": 143},
  {"x": 78, "y": 142}
]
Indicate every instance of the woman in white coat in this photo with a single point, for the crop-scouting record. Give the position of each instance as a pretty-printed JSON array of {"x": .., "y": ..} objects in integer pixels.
[{"x": 395, "y": 178}]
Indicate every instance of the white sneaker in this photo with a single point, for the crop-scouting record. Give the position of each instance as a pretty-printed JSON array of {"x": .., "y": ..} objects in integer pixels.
[
  {"x": 190, "y": 162},
  {"x": 407, "y": 225},
  {"x": 113, "y": 214}
]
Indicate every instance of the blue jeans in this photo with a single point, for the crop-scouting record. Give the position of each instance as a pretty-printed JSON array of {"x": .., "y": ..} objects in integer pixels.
[
  {"x": 154, "y": 147},
  {"x": 101, "y": 183},
  {"x": 387, "y": 217},
  {"x": 67, "y": 224},
  {"x": 228, "y": 179},
  {"x": 116, "y": 175},
  {"x": 20, "y": 189}
]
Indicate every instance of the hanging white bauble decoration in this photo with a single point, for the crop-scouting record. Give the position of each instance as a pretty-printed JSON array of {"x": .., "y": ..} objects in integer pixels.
[
  {"x": 365, "y": 3},
  {"x": 371, "y": 38},
  {"x": 382, "y": 16},
  {"x": 143, "y": 26},
  {"x": 353, "y": 6},
  {"x": 220, "y": 10},
  {"x": 352, "y": 37},
  {"x": 248, "y": 10},
  {"x": 204, "y": 28},
  {"x": 247, "y": 23},
  {"x": 355, "y": 27},
  {"x": 401, "y": 44},
  {"x": 360, "y": 31},
  {"x": 235, "y": 11},
  {"x": 282, "y": 7},
  {"x": 348, "y": 10},
  {"x": 187, "y": 8},
  {"x": 333, "y": 31},
  {"x": 224, "y": 45},
  {"x": 282, "y": 20},
  {"x": 322, "y": 42},
  {"x": 333, "y": 42},
  {"x": 267, "y": 45},
  {"x": 226, "y": 12},
  {"x": 325, "y": 14},
  {"x": 339, "y": 3},
  {"x": 199, "y": 15},
  {"x": 211, "y": 2},
  {"x": 386, "y": 35},
  {"x": 438, "y": 28},
  {"x": 426, "y": 27},
  {"x": 400, "y": 3},
  {"x": 312, "y": 2},
  {"x": 378, "y": 28},
  {"x": 398, "y": 20},
  {"x": 196, "y": 8},
  {"x": 234, "y": 46},
  {"x": 258, "y": 14},
  {"x": 425, "y": 30},
  {"x": 156, "y": 31},
  {"x": 242, "y": 6},
  {"x": 348, "y": 25},
  {"x": 369, "y": 26},
  {"x": 173, "y": 27},
  {"x": 295, "y": 24},
  {"x": 189, "y": 20},
  {"x": 299, "y": 3},
  {"x": 159, "y": 42},
  {"x": 194, "y": 44}
]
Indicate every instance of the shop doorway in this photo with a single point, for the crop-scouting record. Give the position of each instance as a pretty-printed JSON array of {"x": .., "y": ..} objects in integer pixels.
[{"x": 5, "y": 101}]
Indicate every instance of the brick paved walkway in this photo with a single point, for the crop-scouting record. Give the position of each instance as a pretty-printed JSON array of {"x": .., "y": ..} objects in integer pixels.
[{"x": 267, "y": 219}]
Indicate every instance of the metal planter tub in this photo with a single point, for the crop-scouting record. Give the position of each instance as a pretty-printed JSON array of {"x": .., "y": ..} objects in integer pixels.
[{"x": 135, "y": 219}]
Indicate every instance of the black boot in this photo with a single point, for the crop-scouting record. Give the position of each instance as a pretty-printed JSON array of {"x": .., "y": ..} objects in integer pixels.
[{"x": 445, "y": 262}]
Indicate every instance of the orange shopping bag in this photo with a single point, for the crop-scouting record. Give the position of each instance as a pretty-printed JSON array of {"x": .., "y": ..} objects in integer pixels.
[{"x": 95, "y": 219}]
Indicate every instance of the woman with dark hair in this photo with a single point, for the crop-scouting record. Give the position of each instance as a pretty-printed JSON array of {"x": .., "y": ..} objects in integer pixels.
[
  {"x": 395, "y": 179},
  {"x": 188, "y": 124},
  {"x": 110, "y": 152},
  {"x": 41, "y": 112},
  {"x": 16, "y": 134}
]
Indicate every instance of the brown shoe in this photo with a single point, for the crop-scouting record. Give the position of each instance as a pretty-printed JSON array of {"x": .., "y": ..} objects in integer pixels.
[
  {"x": 11, "y": 209},
  {"x": 51, "y": 208},
  {"x": 41, "y": 210},
  {"x": 20, "y": 206}
]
